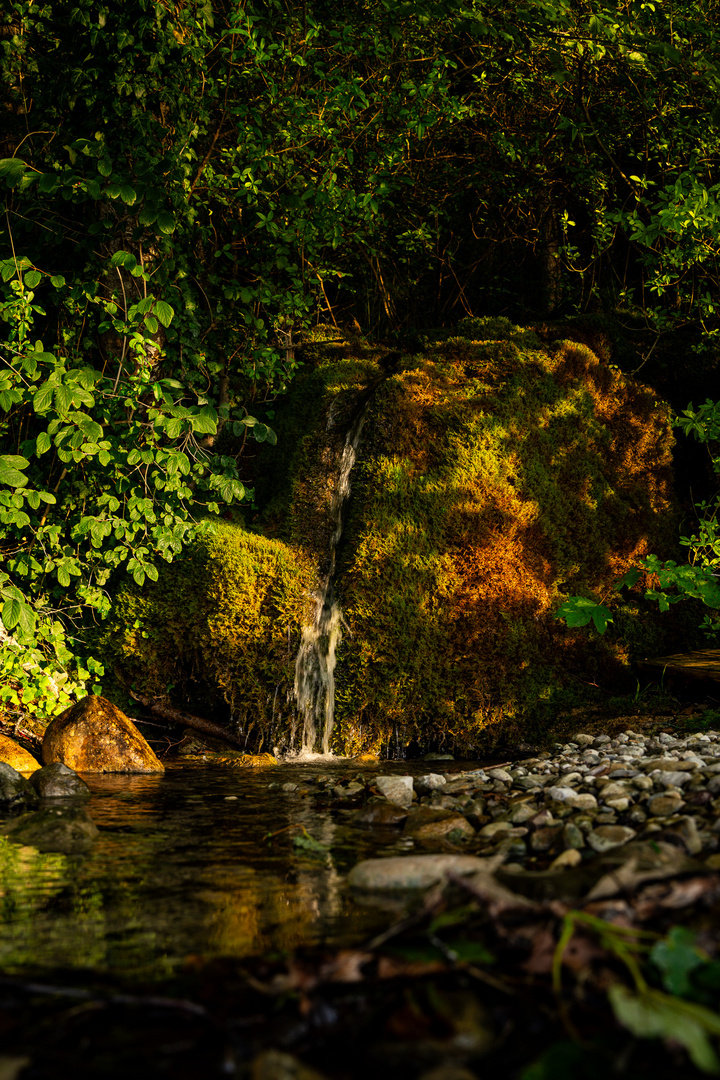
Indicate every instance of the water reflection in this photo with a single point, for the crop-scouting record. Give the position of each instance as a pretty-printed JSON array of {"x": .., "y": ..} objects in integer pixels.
[{"x": 181, "y": 868}]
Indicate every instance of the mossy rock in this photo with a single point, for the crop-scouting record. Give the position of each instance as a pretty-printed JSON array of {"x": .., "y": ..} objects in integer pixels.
[
  {"x": 497, "y": 478},
  {"x": 219, "y": 629}
]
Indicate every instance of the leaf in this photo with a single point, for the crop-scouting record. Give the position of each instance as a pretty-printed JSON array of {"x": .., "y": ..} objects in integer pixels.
[
  {"x": 128, "y": 194},
  {"x": 43, "y": 398},
  {"x": 11, "y": 611},
  {"x": 151, "y": 324},
  {"x": 9, "y": 472},
  {"x": 57, "y": 280},
  {"x": 676, "y": 957},
  {"x": 166, "y": 223},
  {"x": 12, "y": 170},
  {"x": 651, "y": 1014},
  {"x": 33, "y": 278},
  {"x": 308, "y": 843},
  {"x": 628, "y": 579},
  {"x": 579, "y": 611},
  {"x": 164, "y": 312}
]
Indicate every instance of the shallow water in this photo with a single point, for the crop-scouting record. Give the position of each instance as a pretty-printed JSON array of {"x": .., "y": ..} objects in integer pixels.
[{"x": 184, "y": 867}]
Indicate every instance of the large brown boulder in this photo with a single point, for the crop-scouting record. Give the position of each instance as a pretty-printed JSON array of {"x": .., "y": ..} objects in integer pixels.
[
  {"x": 14, "y": 754},
  {"x": 95, "y": 736}
]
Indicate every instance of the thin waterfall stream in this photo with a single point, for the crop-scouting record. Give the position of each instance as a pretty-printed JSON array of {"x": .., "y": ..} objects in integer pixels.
[{"x": 315, "y": 663}]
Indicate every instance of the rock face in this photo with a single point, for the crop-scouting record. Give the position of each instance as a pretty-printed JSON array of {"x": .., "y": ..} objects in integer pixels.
[
  {"x": 15, "y": 791},
  {"x": 58, "y": 782},
  {"x": 14, "y": 754},
  {"x": 95, "y": 736}
]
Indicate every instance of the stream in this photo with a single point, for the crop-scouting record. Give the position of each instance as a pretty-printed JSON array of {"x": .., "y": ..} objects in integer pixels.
[{"x": 184, "y": 868}]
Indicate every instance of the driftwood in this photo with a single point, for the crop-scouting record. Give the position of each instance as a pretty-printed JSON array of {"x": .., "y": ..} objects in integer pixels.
[{"x": 197, "y": 723}]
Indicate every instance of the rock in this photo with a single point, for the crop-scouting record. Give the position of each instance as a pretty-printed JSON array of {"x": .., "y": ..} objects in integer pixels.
[
  {"x": 547, "y": 837},
  {"x": 438, "y": 757},
  {"x": 277, "y": 1065},
  {"x": 396, "y": 789},
  {"x": 57, "y": 782},
  {"x": 95, "y": 736},
  {"x": 583, "y": 740},
  {"x": 670, "y": 779},
  {"x": 568, "y": 858},
  {"x": 664, "y": 805},
  {"x": 17, "y": 756},
  {"x": 15, "y": 791},
  {"x": 579, "y": 800},
  {"x": 500, "y": 774},
  {"x": 430, "y": 782},
  {"x": 411, "y": 871},
  {"x": 65, "y": 829},
  {"x": 496, "y": 829},
  {"x": 426, "y": 823},
  {"x": 606, "y": 837},
  {"x": 380, "y": 814},
  {"x": 572, "y": 836}
]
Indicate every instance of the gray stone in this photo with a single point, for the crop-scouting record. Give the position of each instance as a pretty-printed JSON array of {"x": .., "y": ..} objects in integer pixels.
[
  {"x": 430, "y": 782},
  {"x": 578, "y": 800},
  {"x": 411, "y": 871},
  {"x": 500, "y": 774},
  {"x": 57, "y": 781},
  {"x": 582, "y": 739},
  {"x": 15, "y": 791},
  {"x": 572, "y": 836},
  {"x": 606, "y": 837},
  {"x": 396, "y": 789}
]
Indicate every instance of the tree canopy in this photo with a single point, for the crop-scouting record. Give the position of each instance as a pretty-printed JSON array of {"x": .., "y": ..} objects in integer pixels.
[{"x": 186, "y": 187}]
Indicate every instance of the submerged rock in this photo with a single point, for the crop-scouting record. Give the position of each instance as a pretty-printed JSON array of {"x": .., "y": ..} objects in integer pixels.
[
  {"x": 95, "y": 736},
  {"x": 17, "y": 756},
  {"x": 65, "y": 829},
  {"x": 57, "y": 781},
  {"x": 411, "y": 871},
  {"x": 396, "y": 789},
  {"x": 15, "y": 791}
]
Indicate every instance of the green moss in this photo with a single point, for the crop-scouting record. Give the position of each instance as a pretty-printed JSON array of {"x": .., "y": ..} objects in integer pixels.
[
  {"x": 219, "y": 628},
  {"x": 507, "y": 476}
]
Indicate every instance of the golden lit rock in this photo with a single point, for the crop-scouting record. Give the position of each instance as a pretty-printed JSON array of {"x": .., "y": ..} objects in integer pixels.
[
  {"x": 95, "y": 736},
  {"x": 14, "y": 754}
]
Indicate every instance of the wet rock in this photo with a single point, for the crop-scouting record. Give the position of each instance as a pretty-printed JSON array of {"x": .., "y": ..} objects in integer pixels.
[
  {"x": 65, "y": 829},
  {"x": 566, "y": 859},
  {"x": 411, "y": 871},
  {"x": 606, "y": 837},
  {"x": 17, "y": 756},
  {"x": 547, "y": 837},
  {"x": 573, "y": 837},
  {"x": 380, "y": 814},
  {"x": 95, "y": 736},
  {"x": 15, "y": 791},
  {"x": 438, "y": 757},
  {"x": 426, "y": 823},
  {"x": 57, "y": 782},
  {"x": 396, "y": 789}
]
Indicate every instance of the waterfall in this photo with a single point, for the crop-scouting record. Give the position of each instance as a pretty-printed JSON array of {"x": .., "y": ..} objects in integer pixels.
[{"x": 315, "y": 663}]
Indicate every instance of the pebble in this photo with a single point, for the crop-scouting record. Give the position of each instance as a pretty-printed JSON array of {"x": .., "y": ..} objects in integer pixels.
[{"x": 590, "y": 797}]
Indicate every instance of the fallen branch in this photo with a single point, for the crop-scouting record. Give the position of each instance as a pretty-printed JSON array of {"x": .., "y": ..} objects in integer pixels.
[{"x": 177, "y": 716}]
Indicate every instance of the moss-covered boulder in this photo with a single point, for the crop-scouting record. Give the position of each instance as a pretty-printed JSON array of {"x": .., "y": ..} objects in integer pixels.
[
  {"x": 219, "y": 629},
  {"x": 500, "y": 478}
]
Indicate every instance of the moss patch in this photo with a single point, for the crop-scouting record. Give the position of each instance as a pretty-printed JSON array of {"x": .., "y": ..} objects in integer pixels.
[
  {"x": 218, "y": 629},
  {"x": 500, "y": 477}
]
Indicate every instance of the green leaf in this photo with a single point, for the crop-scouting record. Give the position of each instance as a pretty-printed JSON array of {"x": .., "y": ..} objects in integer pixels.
[
  {"x": 164, "y": 312},
  {"x": 33, "y": 278},
  {"x": 676, "y": 957},
  {"x": 12, "y": 171},
  {"x": 579, "y": 611},
  {"x": 309, "y": 844},
  {"x": 43, "y": 398},
  {"x": 57, "y": 280},
  {"x": 630, "y": 578},
  {"x": 11, "y": 611},
  {"x": 124, "y": 258},
  {"x": 128, "y": 194},
  {"x": 651, "y": 1014},
  {"x": 9, "y": 472},
  {"x": 166, "y": 223},
  {"x": 151, "y": 324}
]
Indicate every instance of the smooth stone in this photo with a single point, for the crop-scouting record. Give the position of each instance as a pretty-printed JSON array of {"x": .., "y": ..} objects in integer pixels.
[
  {"x": 95, "y": 736},
  {"x": 500, "y": 774},
  {"x": 522, "y": 813},
  {"x": 278, "y": 1065},
  {"x": 642, "y": 783},
  {"x": 496, "y": 828},
  {"x": 380, "y": 813},
  {"x": 65, "y": 829},
  {"x": 396, "y": 789},
  {"x": 618, "y": 804},
  {"x": 582, "y": 739},
  {"x": 572, "y": 836},
  {"x": 411, "y": 871},
  {"x": 567, "y": 858},
  {"x": 578, "y": 800},
  {"x": 614, "y": 790},
  {"x": 671, "y": 779},
  {"x": 546, "y": 837},
  {"x": 17, "y": 756},
  {"x": 430, "y": 782},
  {"x": 527, "y": 783},
  {"x": 57, "y": 782},
  {"x": 686, "y": 830},
  {"x": 438, "y": 757},
  {"x": 668, "y": 765},
  {"x": 606, "y": 837},
  {"x": 426, "y": 823},
  {"x": 663, "y": 805},
  {"x": 15, "y": 790}
]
